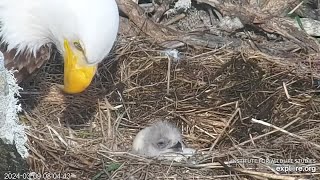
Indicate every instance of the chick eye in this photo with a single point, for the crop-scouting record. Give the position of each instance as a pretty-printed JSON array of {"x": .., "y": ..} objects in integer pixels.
[
  {"x": 78, "y": 46},
  {"x": 162, "y": 144}
]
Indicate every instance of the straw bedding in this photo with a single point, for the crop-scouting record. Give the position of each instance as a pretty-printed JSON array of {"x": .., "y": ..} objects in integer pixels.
[{"x": 213, "y": 96}]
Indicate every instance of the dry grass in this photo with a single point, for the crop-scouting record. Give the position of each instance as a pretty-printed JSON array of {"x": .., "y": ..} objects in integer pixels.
[{"x": 212, "y": 95}]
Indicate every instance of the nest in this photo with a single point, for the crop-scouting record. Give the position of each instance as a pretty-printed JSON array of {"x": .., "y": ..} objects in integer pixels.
[{"x": 239, "y": 109}]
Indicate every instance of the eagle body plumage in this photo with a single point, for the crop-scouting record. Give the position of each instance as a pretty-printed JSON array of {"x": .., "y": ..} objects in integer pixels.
[{"x": 29, "y": 27}]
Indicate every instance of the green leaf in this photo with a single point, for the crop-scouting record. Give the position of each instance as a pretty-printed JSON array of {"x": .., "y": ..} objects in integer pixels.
[
  {"x": 109, "y": 168},
  {"x": 97, "y": 176},
  {"x": 297, "y": 18},
  {"x": 113, "y": 167}
]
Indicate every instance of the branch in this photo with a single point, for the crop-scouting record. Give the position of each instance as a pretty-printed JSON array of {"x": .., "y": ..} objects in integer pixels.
[
  {"x": 168, "y": 37},
  {"x": 4, "y": 91},
  {"x": 137, "y": 15},
  {"x": 11, "y": 131}
]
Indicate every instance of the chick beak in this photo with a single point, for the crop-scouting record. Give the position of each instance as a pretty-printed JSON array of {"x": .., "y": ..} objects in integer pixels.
[{"x": 177, "y": 147}]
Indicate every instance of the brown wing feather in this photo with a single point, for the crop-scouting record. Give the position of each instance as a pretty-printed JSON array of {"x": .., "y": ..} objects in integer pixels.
[{"x": 26, "y": 63}]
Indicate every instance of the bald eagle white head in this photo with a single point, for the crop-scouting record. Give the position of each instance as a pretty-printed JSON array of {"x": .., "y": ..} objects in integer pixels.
[{"x": 83, "y": 31}]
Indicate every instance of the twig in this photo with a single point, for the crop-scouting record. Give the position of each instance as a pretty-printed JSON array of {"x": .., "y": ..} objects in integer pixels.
[
  {"x": 284, "y": 131},
  {"x": 267, "y": 175},
  {"x": 286, "y": 90},
  {"x": 58, "y": 135},
  {"x": 294, "y": 9},
  {"x": 175, "y": 19},
  {"x": 168, "y": 75},
  {"x": 266, "y": 134},
  {"x": 224, "y": 129}
]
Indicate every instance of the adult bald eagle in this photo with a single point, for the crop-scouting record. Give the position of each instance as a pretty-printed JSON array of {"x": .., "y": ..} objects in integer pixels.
[{"x": 83, "y": 31}]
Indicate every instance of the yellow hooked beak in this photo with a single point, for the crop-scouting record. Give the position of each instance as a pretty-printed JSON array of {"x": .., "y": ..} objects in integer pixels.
[{"x": 77, "y": 73}]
